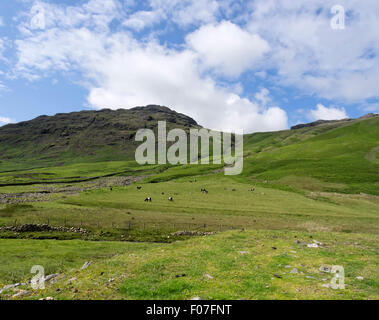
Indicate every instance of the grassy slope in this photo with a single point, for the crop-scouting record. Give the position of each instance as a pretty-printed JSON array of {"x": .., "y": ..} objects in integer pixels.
[
  {"x": 151, "y": 272},
  {"x": 266, "y": 208},
  {"x": 300, "y": 166},
  {"x": 18, "y": 256},
  {"x": 344, "y": 155}
]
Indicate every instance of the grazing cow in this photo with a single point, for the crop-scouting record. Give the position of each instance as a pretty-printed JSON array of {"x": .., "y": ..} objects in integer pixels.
[
  {"x": 170, "y": 199},
  {"x": 148, "y": 199},
  {"x": 111, "y": 188},
  {"x": 252, "y": 189},
  {"x": 234, "y": 190},
  {"x": 162, "y": 193},
  {"x": 204, "y": 191},
  {"x": 139, "y": 187}
]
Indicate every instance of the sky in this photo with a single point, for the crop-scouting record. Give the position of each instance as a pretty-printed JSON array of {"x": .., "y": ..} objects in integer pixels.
[{"x": 252, "y": 65}]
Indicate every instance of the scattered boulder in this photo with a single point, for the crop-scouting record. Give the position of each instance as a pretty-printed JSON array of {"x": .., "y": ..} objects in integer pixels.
[
  {"x": 86, "y": 265},
  {"x": 21, "y": 293},
  {"x": 51, "y": 277},
  {"x": 325, "y": 269},
  {"x": 193, "y": 233}
]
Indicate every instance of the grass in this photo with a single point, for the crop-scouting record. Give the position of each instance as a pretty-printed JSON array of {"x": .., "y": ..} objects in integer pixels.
[
  {"x": 319, "y": 182},
  {"x": 265, "y": 208},
  {"x": 243, "y": 265},
  {"x": 18, "y": 256}
]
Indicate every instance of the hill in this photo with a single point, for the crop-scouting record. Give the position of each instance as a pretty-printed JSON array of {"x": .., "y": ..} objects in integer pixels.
[
  {"x": 339, "y": 156},
  {"x": 307, "y": 198},
  {"x": 333, "y": 156},
  {"x": 83, "y": 136}
]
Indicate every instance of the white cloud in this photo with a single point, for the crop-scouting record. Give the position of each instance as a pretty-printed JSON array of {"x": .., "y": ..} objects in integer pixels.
[
  {"x": 5, "y": 120},
  {"x": 143, "y": 19},
  {"x": 121, "y": 72},
  {"x": 180, "y": 12},
  {"x": 309, "y": 55},
  {"x": 263, "y": 96},
  {"x": 323, "y": 113},
  {"x": 188, "y": 12},
  {"x": 227, "y": 48}
]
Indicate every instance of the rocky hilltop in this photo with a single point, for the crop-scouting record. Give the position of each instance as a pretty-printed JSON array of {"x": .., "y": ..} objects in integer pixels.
[
  {"x": 100, "y": 135},
  {"x": 321, "y": 122}
]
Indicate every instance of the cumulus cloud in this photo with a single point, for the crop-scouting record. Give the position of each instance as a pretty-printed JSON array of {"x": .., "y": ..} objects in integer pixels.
[
  {"x": 143, "y": 19},
  {"x": 323, "y": 113},
  {"x": 4, "y": 120},
  {"x": 227, "y": 48},
  {"x": 309, "y": 55},
  {"x": 122, "y": 72},
  {"x": 263, "y": 96},
  {"x": 183, "y": 13}
]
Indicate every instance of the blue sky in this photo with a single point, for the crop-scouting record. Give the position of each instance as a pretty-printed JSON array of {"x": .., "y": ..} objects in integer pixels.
[{"x": 256, "y": 65}]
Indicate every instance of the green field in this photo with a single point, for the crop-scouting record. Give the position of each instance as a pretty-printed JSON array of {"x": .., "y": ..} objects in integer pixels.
[
  {"x": 231, "y": 265},
  {"x": 319, "y": 183}
]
